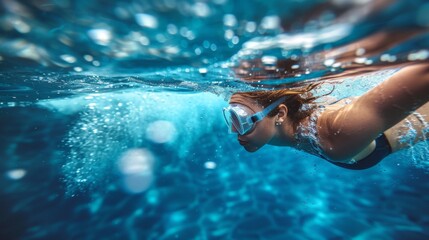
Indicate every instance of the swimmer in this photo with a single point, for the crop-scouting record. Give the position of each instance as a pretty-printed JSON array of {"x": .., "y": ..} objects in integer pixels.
[{"x": 352, "y": 133}]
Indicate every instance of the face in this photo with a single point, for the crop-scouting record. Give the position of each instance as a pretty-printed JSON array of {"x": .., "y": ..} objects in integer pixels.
[{"x": 263, "y": 131}]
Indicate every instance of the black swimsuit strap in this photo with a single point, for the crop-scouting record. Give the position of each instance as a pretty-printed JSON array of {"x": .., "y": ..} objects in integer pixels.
[{"x": 382, "y": 150}]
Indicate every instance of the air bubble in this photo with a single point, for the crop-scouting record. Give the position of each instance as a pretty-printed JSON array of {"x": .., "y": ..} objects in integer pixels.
[
  {"x": 269, "y": 60},
  {"x": 270, "y": 22},
  {"x": 172, "y": 29},
  {"x": 229, "y": 20},
  {"x": 201, "y": 9},
  {"x": 360, "y": 51},
  {"x": 210, "y": 165},
  {"x": 100, "y": 36},
  {"x": 387, "y": 58},
  {"x": 146, "y": 20},
  {"x": 136, "y": 166},
  {"x": 78, "y": 69},
  {"x": 229, "y": 34},
  {"x": 203, "y": 71},
  {"x": 420, "y": 55},
  {"x": 329, "y": 62},
  {"x": 88, "y": 58},
  {"x": 68, "y": 58},
  {"x": 16, "y": 174},
  {"x": 250, "y": 27}
]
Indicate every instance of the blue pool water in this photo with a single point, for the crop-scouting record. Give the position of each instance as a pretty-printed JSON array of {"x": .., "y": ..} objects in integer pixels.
[{"x": 111, "y": 124}]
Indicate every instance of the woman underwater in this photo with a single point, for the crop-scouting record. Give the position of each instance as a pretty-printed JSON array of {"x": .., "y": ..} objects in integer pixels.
[{"x": 352, "y": 133}]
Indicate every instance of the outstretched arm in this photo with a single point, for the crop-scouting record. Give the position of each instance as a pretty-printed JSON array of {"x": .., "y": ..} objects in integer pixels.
[{"x": 345, "y": 132}]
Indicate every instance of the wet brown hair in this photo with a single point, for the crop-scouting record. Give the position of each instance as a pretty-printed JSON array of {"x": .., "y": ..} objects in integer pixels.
[{"x": 296, "y": 98}]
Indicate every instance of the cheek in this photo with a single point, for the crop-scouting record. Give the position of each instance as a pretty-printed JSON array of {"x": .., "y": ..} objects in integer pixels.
[{"x": 262, "y": 133}]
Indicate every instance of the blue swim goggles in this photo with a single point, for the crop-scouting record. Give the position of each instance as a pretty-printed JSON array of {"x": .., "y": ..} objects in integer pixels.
[{"x": 240, "y": 117}]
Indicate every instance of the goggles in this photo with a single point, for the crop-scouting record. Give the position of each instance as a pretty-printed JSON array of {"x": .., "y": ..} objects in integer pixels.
[{"x": 240, "y": 117}]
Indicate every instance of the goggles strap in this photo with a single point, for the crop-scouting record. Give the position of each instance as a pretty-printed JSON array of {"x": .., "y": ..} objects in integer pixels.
[{"x": 260, "y": 115}]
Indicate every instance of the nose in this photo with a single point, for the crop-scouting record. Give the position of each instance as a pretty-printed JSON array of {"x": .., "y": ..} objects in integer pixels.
[{"x": 233, "y": 129}]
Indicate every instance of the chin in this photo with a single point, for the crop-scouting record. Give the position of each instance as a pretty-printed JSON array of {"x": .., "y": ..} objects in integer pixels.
[{"x": 251, "y": 149}]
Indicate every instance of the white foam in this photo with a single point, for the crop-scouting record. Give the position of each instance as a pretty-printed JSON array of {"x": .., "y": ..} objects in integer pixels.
[{"x": 161, "y": 132}]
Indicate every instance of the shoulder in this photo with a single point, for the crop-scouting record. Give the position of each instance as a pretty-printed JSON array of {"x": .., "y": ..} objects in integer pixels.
[
  {"x": 339, "y": 138},
  {"x": 345, "y": 130}
]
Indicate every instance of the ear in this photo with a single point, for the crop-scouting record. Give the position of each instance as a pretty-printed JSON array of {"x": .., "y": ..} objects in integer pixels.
[{"x": 281, "y": 116}]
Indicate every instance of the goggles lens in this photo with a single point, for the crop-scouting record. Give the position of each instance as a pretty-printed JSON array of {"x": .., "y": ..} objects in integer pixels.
[{"x": 238, "y": 118}]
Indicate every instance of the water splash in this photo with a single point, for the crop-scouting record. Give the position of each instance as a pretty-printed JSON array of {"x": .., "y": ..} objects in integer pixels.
[
  {"x": 420, "y": 152},
  {"x": 111, "y": 125}
]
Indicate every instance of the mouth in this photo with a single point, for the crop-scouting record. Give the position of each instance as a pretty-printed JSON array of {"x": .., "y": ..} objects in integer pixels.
[{"x": 241, "y": 142}]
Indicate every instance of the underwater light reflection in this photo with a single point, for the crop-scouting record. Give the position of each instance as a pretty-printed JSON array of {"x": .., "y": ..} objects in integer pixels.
[{"x": 136, "y": 167}]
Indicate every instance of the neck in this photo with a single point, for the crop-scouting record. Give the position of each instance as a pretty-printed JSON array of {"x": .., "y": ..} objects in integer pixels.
[
  {"x": 287, "y": 134},
  {"x": 294, "y": 135}
]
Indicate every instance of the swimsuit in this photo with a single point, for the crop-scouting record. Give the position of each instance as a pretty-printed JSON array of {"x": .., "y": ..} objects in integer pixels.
[
  {"x": 382, "y": 150},
  {"x": 309, "y": 134}
]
